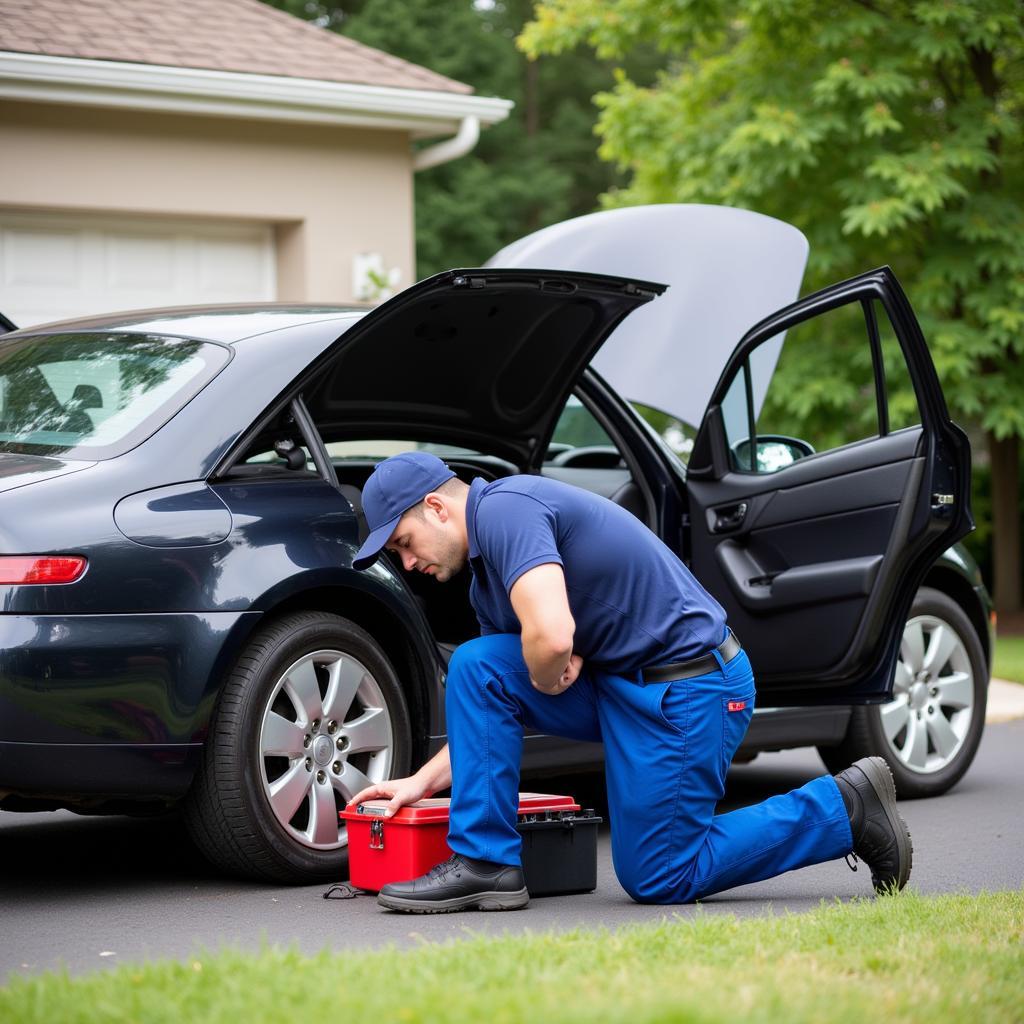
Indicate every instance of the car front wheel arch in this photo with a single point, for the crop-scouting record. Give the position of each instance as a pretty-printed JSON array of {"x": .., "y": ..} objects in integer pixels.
[
  {"x": 930, "y": 731},
  {"x": 310, "y": 713}
]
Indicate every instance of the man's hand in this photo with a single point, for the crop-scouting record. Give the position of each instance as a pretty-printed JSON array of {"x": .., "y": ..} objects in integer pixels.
[
  {"x": 565, "y": 680},
  {"x": 399, "y": 791},
  {"x": 434, "y": 775}
]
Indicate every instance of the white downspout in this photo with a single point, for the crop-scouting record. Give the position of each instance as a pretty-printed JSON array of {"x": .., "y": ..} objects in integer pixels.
[{"x": 451, "y": 149}]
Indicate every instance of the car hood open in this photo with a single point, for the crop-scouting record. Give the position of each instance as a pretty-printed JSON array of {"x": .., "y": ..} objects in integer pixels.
[
  {"x": 726, "y": 270},
  {"x": 480, "y": 358}
]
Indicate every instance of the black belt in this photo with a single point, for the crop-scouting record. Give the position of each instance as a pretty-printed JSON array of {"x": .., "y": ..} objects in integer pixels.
[{"x": 701, "y": 666}]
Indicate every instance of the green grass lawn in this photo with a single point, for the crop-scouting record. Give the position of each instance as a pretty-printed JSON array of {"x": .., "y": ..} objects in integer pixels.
[
  {"x": 903, "y": 958},
  {"x": 1009, "y": 660}
]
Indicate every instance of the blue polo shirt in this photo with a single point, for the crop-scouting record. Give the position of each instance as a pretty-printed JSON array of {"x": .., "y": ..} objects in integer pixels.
[{"x": 634, "y": 602}]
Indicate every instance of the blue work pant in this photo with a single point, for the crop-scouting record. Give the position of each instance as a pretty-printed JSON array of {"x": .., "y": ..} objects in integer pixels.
[{"x": 667, "y": 747}]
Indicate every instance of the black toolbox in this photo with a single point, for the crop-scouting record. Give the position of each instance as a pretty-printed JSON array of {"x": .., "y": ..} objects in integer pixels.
[{"x": 559, "y": 850}]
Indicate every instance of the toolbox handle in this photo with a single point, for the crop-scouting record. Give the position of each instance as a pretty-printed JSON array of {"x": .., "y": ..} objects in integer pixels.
[{"x": 377, "y": 834}]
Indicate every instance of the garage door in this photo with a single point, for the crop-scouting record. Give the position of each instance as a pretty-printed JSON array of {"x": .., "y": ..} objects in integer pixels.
[{"x": 53, "y": 267}]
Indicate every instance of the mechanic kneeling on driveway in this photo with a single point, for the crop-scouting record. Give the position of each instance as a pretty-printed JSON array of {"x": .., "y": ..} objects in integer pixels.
[{"x": 593, "y": 629}]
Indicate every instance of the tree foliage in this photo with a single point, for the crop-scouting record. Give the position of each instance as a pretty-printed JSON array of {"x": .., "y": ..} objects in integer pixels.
[
  {"x": 538, "y": 167},
  {"x": 886, "y": 131},
  {"x": 889, "y": 131}
]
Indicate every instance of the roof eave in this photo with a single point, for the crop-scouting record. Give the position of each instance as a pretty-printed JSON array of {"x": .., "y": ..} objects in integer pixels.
[{"x": 106, "y": 83}]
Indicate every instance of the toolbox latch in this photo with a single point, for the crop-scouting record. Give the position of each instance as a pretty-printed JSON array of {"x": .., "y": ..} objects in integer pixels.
[{"x": 376, "y": 834}]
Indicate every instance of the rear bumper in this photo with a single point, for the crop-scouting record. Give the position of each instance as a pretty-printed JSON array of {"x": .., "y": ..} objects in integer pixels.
[
  {"x": 88, "y": 773},
  {"x": 111, "y": 678},
  {"x": 95, "y": 704}
]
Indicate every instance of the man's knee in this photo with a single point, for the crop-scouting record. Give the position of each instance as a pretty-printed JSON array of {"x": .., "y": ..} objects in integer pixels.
[
  {"x": 484, "y": 655},
  {"x": 486, "y": 663},
  {"x": 656, "y": 886},
  {"x": 484, "y": 671},
  {"x": 643, "y": 890}
]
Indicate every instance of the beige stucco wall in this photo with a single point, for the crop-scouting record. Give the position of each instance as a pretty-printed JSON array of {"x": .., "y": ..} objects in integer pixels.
[{"x": 328, "y": 192}]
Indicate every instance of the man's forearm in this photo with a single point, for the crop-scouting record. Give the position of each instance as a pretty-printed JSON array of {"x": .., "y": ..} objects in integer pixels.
[
  {"x": 437, "y": 772},
  {"x": 546, "y": 660}
]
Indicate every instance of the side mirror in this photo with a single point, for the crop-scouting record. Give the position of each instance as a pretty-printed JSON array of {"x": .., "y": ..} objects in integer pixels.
[{"x": 774, "y": 452}]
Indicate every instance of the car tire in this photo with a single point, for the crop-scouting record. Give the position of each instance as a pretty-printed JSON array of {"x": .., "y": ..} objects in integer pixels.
[
  {"x": 311, "y": 712},
  {"x": 929, "y": 733}
]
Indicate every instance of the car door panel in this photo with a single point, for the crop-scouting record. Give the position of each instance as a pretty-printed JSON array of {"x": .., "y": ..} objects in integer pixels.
[
  {"x": 864, "y": 488},
  {"x": 831, "y": 580},
  {"x": 872, "y": 456},
  {"x": 817, "y": 563},
  {"x": 848, "y": 535},
  {"x": 808, "y": 575}
]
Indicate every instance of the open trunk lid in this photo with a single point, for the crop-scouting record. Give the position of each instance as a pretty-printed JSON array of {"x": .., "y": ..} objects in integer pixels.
[{"x": 480, "y": 358}]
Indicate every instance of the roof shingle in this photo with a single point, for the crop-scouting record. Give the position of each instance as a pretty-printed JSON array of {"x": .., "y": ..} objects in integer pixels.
[{"x": 227, "y": 35}]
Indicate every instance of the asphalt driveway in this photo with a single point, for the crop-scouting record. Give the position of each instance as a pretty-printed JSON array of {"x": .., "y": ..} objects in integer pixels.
[{"x": 92, "y": 892}]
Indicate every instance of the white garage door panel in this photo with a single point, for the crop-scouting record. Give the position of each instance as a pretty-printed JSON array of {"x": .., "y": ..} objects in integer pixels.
[{"x": 53, "y": 267}]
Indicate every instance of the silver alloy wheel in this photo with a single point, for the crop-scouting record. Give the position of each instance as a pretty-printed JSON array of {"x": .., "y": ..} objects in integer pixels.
[
  {"x": 927, "y": 721},
  {"x": 325, "y": 730}
]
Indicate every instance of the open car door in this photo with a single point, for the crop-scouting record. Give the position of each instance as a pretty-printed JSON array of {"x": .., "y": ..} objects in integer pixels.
[{"x": 816, "y": 546}]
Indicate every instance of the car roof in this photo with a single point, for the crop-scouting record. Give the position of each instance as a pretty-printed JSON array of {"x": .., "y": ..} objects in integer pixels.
[{"x": 223, "y": 323}]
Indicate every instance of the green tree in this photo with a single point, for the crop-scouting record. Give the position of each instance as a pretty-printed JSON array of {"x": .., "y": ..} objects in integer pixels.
[
  {"x": 538, "y": 167},
  {"x": 887, "y": 131},
  {"x": 325, "y": 13}
]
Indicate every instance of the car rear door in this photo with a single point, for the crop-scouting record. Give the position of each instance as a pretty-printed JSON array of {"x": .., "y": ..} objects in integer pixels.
[{"x": 816, "y": 557}]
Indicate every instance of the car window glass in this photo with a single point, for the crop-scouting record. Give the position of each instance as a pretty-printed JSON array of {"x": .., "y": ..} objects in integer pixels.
[
  {"x": 811, "y": 389},
  {"x": 735, "y": 417},
  {"x": 93, "y": 396},
  {"x": 678, "y": 435},
  {"x": 902, "y": 400},
  {"x": 265, "y": 460},
  {"x": 579, "y": 442},
  {"x": 577, "y": 428},
  {"x": 581, "y": 452},
  {"x": 279, "y": 451},
  {"x": 375, "y": 449}
]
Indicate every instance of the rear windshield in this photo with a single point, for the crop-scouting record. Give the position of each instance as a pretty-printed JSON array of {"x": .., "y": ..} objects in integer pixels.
[{"x": 94, "y": 396}]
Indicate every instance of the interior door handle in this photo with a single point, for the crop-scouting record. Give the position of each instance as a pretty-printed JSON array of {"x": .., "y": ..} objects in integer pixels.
[{"x": 730, "y": 517}]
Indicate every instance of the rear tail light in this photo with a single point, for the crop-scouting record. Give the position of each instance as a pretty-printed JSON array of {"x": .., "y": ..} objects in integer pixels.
[{"x": 26, "y": 569}]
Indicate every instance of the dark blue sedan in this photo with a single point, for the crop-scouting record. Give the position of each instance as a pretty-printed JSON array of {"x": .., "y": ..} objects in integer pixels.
[{"x": 179, "y": 507}]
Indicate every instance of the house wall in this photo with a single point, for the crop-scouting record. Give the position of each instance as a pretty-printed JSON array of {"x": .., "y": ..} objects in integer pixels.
[{"x": 327, "y": 192}]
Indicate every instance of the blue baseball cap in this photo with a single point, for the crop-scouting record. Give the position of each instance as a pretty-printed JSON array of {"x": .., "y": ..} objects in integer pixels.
[{"x": 395, "y": 485}]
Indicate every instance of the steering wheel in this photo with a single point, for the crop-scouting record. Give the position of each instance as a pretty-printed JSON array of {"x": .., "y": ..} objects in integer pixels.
[{"x": 590, "y": 456}]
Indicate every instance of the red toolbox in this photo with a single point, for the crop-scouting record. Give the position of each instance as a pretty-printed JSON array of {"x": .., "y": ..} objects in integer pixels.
[{"x": 559, "y": 843}]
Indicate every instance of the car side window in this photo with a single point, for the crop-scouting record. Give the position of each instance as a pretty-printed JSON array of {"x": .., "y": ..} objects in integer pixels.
[
  {"x": 832, "y": 380},
  {"x": 264, "y": 460},
  {"x": 279, "y": 451},
  {"x": 901, "y": 398},
  {"x": 581, "y": 452},
  {"x": 577, "y": 426},
  {"x": 579, "y": 440}
]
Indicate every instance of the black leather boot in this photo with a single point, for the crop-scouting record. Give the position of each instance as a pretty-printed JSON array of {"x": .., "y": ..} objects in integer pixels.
[
  {"x": 880, "y": 835},
  {"x": 458, "y": 884}
]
